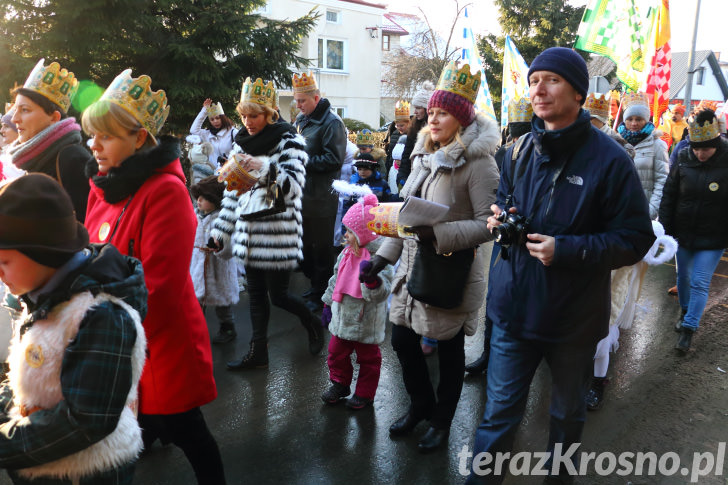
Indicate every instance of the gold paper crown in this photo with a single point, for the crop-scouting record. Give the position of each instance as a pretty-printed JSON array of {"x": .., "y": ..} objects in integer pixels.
[
  {"x": 137, "y": 98},
  {"x": 597, "y": 104},
  {"x": 614, "y": 94},
  {"x": 709, "y": 130},
  {"x": 259, "y": 93},
  {"x": 386, "y": 220},
  {"x": 634, "y": 98},
  {"x": 304, "y": 83},
  {"x": 365, "y": 137},
  {"x": 706, "y": 104},
  {"x": 56, "y": 84},
  {"x": 215, "y": 110},
  {"x": 402, "y": 111},
  {"x": 459, "y": 81},
  {"x": 520, "y": 110}
]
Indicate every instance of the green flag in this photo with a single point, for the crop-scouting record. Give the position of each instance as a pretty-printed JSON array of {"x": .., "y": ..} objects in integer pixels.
[{"x": 619, "y": 30}]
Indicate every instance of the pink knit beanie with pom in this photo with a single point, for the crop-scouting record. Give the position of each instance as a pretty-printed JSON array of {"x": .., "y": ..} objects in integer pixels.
[{"x": 358, "y": 215}]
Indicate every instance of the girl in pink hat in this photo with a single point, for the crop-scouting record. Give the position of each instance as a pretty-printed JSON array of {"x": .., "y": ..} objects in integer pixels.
[{"x": 356, "y": 311}]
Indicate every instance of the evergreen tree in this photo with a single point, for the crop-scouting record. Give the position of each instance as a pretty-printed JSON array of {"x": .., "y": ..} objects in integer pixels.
[
  {"x": 534, "y": 25},
  {"x": 192, "y": 49}
]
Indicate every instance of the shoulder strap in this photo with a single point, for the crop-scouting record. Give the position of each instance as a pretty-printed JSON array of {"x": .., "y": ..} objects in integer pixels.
[{"x": 523, "y": 144}]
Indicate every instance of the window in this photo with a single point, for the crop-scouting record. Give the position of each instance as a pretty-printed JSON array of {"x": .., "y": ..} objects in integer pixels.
[
  {"x": 331, "y": 54},
  {"x": 339, "y": 110},
  {"x": 333, "y": 16},
  {"x": 385, "y": 42},
  {"x": 700, "y": 76}
]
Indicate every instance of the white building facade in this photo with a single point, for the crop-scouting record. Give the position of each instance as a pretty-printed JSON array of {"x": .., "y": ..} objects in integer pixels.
[
  {"x": 709, "y": 80},
  {"x": 344, "y": 52}
]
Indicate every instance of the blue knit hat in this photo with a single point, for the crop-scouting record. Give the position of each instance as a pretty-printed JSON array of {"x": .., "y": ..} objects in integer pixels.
[{"x": 567, "y": 64}]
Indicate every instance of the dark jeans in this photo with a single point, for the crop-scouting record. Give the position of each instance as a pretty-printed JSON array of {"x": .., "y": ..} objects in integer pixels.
[
  {"x": 274, "y": 284},
  {"x": 318, "y": 257},
  {"x": 511, "y": 367},
  {"x": 451, "y": 359},
  {"x": 189, "y": 432},
  {"x": 487, "y": 332}
]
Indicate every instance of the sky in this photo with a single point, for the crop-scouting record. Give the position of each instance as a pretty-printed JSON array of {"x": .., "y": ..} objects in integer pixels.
[{"x": 712, "y": 26}]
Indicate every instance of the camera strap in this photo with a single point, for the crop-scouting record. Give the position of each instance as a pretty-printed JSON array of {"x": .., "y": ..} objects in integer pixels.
[{"x": 518, "y": 167}]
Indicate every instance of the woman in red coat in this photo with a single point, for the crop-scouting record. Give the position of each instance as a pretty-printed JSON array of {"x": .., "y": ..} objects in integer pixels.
[{"x": 139, "y": 203}]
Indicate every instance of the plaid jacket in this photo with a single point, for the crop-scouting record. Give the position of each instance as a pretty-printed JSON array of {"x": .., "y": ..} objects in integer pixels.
[{"x": 99, "y": 370}]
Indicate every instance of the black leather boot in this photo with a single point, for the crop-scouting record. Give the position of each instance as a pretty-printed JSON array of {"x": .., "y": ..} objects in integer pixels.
[
  {"x": 315, "y": 334},
  {"x": 256, "y": 358},
  {"x": 404, "y": 425},
  {"x": 479, "y": 365},
  {"x": 595, "y": 396},
  {"x": 433, "y": 439},
  {"x": 686, "y": 337}
]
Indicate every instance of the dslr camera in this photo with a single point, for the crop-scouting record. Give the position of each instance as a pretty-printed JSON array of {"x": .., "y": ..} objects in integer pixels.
[{"x": 512, "y": 230}]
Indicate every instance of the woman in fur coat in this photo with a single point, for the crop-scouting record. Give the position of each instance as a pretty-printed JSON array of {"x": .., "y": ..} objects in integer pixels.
[
  {"x": 140, "y": 204},
  {"x": 270, "y": 246},
  {"x": 453, "y": 165}
]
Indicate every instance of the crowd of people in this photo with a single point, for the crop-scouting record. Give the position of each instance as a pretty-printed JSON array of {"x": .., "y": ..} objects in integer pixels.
[{"x": 109, "y": 287}]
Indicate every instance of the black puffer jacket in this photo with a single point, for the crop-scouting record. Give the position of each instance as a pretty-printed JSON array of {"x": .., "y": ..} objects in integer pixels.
[
  {"x": 695, "y": 200},
  {"x": 325, "y": 136}
]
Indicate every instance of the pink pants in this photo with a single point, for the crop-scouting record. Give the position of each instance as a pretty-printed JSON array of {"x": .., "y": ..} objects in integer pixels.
[{"x": 368, "y": 357}]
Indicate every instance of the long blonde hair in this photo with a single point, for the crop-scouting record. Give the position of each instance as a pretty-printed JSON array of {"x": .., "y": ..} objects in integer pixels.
[
  {"x": 432, "y": 146},
  {"x": 112, "y": 119}
]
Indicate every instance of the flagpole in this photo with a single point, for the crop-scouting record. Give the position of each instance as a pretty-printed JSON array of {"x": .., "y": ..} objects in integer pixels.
[{"x": 691, "y": 58}]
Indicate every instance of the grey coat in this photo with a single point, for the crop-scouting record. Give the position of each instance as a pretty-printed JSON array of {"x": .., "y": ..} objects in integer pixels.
[
  {"x": 652, "y": 162},
  {"x": 214, "y": 274},
  {"x": 466, "y": 179},
  {"x": 362, "y": 320}
]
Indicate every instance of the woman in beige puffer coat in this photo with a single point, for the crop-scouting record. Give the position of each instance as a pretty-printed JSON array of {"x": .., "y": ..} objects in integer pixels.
[{"x": 453, "y": 165}]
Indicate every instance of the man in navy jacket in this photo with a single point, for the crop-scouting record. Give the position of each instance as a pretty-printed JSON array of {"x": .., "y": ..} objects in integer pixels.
[{"x": 549, "y": 298}]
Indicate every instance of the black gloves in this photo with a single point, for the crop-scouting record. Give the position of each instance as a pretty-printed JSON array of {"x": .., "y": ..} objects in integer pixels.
[{"x": 213, "y": 244}]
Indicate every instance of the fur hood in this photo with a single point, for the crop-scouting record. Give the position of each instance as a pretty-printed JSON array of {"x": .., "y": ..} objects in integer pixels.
[
  {"x": 481, "y": 138},
  {"x": 479, "y": 142}
]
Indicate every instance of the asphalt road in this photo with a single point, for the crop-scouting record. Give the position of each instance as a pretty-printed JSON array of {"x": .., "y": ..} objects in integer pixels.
[{"x": 272, "y": 427}]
